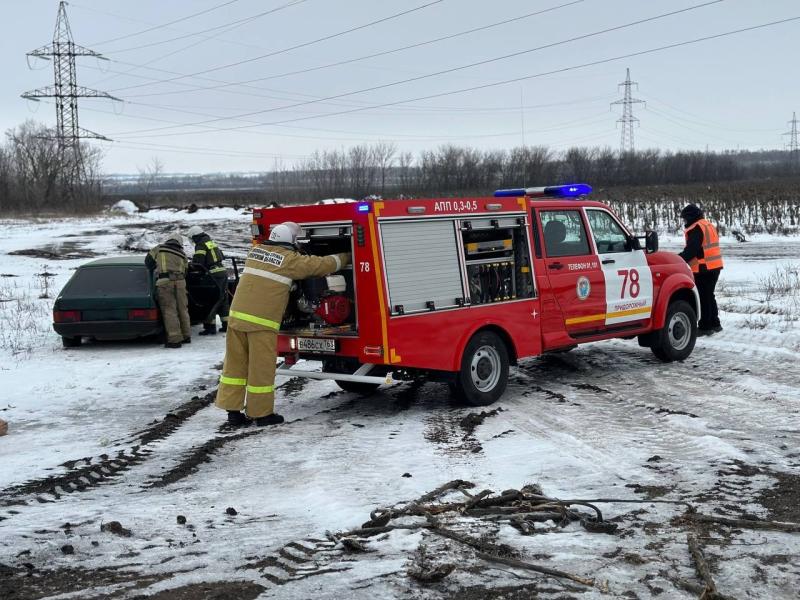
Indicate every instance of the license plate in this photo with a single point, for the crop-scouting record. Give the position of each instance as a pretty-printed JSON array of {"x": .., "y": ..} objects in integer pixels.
[{"x": 316, "y": 345}]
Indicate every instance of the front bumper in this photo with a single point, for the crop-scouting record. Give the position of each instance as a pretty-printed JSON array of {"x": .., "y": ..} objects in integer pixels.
[{"x": 109, "y": 330}]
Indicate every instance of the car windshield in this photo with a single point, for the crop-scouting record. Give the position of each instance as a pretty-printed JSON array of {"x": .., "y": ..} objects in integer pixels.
[{"x": 123, "y": 280}]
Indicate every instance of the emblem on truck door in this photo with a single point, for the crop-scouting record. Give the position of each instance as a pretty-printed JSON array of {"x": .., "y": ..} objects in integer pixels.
[{"x": 583, "y": 288}]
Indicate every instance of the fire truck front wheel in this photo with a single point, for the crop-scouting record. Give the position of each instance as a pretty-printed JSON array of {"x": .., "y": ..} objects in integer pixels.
[
  {"x": 675, "y": 341},
  {"x": 484, "y": 370}
]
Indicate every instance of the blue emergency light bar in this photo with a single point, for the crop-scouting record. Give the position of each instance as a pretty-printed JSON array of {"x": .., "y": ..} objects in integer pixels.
[
  {"x": 363, "y": 208},
  {"x": 571, "y": 190}
]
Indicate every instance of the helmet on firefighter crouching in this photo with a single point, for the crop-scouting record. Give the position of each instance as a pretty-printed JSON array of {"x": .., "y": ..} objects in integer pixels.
[
  {"x": 194, "y": 231},
  {"x": 285, "y": 233}
]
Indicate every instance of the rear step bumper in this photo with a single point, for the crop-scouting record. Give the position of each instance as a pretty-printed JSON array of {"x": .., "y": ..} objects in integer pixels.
[{"x": 360, "y": 376}]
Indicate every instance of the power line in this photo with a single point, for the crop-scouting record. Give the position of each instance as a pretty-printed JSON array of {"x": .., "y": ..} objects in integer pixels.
[
  {"x": 447, "y": 71},
  {"x": 627, "y": 119},
  {"x": 386, "y": 52},
  {"x": 228, "y": 27},
  {"x": 507, "y": 81},
  {"x": 296, "y": 46},
  {"x": 164, "y": 25},
  {"x": 232, "y": 25},
  {"x": 381, "y": 136},
  {"x": 697, "y": 120}
]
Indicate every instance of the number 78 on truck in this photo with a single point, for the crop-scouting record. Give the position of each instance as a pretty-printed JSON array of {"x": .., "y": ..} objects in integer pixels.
[{"x": 456, "y": 290}]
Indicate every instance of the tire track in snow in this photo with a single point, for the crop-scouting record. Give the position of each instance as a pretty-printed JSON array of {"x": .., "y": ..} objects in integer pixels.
[
  {"x": 105, "y": 468},
  {"x": 85, "y": 474},
  {"x": 690, "y": 453},
  {"x": 190, "y": 460},
  {"x": 736, "y": 403},
  {"x": 599, "y": 426}
]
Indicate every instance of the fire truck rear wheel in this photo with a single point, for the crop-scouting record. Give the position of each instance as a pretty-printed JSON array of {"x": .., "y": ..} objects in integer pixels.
[
  {"x": 484, "y": 370},
  {"x": 675, "y": 341}
]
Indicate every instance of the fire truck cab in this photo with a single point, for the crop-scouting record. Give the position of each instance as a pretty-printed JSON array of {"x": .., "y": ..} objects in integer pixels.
[{"x": 458, "y": 289}]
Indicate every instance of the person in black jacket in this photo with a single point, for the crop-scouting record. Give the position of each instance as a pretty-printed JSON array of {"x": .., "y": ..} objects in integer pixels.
[
  {"x": 704, "y": 256},
  {"x": 208, "y": 256}
]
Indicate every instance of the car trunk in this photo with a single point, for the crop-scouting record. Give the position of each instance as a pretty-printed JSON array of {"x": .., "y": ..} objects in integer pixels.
[{"x": 107, "y": 293}]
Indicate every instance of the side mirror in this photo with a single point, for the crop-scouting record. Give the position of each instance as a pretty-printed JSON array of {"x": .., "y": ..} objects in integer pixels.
[
  {"x": 634, "y": 243},
  {"x": 651, "y": 242}
]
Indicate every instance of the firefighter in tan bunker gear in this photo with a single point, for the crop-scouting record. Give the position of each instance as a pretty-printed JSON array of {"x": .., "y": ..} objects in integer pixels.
[
  {"x": 169, "y": 262},
  {"x": 254, "y": 320}
]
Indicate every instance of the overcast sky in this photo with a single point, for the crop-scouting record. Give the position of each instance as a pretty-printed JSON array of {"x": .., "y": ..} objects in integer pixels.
[{"x": 732, "y": 92}]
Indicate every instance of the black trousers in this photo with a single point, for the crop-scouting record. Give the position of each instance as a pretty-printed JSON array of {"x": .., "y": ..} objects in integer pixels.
[
  {"x": 706, "y": 281},
  {"x": 222, "y": 306}
]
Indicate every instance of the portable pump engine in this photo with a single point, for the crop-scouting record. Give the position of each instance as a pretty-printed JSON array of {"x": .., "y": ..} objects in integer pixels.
[{"x": 324, "y": 299}]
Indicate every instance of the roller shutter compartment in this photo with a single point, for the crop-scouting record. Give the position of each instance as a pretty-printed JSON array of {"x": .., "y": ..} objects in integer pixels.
[{"x": 422, "y": 266}]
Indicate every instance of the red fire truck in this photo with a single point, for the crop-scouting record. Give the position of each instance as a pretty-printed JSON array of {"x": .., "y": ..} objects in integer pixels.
[{"x": 458, "y": 289}]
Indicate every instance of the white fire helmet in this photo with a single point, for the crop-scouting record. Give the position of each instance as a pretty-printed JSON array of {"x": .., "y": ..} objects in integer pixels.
[
  {"x": 285, "y": 232},
  {"x": 174, "y": 237},
  {"x": 194, "y": 231}
]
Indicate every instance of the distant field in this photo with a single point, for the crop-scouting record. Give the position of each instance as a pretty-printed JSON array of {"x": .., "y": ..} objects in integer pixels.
[{"x": 762, "y": 206}]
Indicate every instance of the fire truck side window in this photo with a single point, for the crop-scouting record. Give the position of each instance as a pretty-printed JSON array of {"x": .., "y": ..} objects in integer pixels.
[
  {"x": 564, "y": 233},
  {"x": 608, "y": 235}
]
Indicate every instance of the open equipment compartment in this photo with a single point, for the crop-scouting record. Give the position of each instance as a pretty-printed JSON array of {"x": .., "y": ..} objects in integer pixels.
[
  {"x": 323, "y": 305},
  {"x": 497, "y": 259}
]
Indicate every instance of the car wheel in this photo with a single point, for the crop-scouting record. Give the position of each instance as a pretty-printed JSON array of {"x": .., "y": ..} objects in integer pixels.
[
  {"x": 675, "y": 341},
  {"x": 484, "y": 370},
  {"x": 71, "y": 342}
]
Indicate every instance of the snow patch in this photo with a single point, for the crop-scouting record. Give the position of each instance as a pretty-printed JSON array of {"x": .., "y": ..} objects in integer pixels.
[{"x": 124, "y": 206}]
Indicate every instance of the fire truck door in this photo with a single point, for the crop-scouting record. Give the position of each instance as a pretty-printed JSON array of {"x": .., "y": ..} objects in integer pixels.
[
  {"x": 573, "y": 270},
  {"x": 628, "y": 279}
]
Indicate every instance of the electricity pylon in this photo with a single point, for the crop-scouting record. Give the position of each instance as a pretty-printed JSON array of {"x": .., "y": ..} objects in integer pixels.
[
  {"x": 66, "y": 92},
  {"x": 628, "y": 120}
]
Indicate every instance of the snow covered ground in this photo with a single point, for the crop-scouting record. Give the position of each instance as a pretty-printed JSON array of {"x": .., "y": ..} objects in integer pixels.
[{"x": 89, "y": 444}]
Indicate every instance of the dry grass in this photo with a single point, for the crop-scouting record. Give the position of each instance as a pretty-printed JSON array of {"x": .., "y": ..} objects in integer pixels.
[{"x": 23, "y": 319}]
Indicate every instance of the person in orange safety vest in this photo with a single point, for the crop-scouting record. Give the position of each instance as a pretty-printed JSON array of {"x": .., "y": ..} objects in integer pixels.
[{"x": 704, "y": 256}]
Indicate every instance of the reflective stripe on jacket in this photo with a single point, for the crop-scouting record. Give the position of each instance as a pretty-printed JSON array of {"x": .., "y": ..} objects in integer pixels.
[
  {"x": 263, "y": 290},
  {"x": 168, "y": 261},
  {"x": 208, "y": 254},
  {"x": 711, "y": 252}
]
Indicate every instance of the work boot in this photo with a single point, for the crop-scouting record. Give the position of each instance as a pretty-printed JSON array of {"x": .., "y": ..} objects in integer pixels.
[
  {"x": 237, "y": 419},
  {"x": 172, "y": 345},
  {"x": 187, "y": 340},
  {"x": 209, "y": 329},
  {"x": 273, "y": 419}
]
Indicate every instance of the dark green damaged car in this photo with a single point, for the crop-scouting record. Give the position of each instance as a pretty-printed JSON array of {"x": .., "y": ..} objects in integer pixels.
[{"x": 114, "y": 299}]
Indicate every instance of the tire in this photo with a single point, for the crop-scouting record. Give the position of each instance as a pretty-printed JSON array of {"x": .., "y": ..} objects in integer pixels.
[
  {"x": 71, "y": 342},
  {"x": 675, "y": 341},
  {"x": 484, "y": 370}
]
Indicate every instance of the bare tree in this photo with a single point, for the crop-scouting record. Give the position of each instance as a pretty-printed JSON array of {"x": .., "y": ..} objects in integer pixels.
[
  {"x": 407, "y": 173},
  {"x": 383, "y": 153},
  {"x": 148, "y": 177}
]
